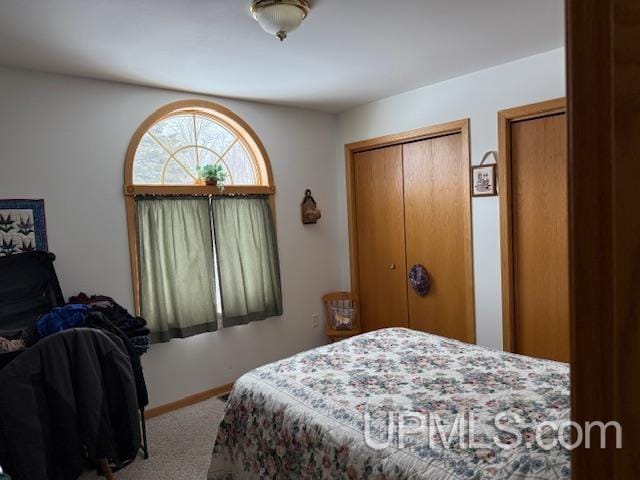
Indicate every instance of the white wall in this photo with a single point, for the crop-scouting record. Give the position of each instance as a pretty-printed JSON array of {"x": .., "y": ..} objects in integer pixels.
[
  {"x": 64, "y": 139},
  {"x": 477, "y": 96}
]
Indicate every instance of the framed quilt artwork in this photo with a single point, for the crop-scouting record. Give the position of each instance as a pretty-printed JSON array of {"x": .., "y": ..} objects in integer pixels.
[{"x": 23, "y": 226}]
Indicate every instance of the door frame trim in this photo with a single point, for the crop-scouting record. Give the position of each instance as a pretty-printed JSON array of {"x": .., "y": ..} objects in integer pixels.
[
  {"x": 450, "y": 128},
  {"x": 505, "y": 119}
]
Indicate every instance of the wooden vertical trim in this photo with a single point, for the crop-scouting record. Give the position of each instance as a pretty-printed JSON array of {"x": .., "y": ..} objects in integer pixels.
[
  {"x": 132, "y": 233},
  {"x": 506, "y": 250},
  {"x": 603, "y": 51},
  {"x": 352, "y": 220},
  {"x": 505, "y": 119},
  {"x": 459, "y": 126},
  {"x": 405, "y": 243},
  {"x": 468, "y": 236}
]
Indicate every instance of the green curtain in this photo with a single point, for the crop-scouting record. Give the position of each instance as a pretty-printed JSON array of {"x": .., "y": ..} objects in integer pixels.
[
  {"x": 248, "y": 262},
  {"x": 175, "y": 249}
]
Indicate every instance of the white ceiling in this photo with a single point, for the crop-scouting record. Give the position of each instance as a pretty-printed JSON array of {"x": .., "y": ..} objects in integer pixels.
[{"x": 347, "y": 52}]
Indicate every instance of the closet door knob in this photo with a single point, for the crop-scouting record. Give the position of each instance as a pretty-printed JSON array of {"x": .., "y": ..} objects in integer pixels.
[{"x": 392, "y": 266}]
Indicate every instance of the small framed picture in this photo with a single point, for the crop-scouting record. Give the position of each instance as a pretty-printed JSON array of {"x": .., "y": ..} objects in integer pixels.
[{"x": 483, "y": 181}]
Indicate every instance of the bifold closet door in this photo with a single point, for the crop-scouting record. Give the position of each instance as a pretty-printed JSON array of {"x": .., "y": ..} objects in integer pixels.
[
  {"x": 540, "y": 229},
  {"x": 380, "y": 231},
  {"x": 437, "y": 223}
]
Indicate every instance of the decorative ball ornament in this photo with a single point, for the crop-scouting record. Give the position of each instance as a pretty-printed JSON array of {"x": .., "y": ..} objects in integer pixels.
[{"x": 420, "y": 280}]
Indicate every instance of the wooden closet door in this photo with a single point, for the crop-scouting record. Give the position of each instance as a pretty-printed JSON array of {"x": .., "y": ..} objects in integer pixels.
[
  {"x": 380, "y": 230},
  {"x": 540, "y": 237},
  {"x": 438, "y": 235}
]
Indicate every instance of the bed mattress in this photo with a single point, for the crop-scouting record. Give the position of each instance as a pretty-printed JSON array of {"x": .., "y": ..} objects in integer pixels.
[{"x": 396, "y": 404}]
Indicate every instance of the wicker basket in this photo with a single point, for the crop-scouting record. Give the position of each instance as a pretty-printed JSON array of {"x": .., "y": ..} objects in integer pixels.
[{"x": 342, "y": 311}]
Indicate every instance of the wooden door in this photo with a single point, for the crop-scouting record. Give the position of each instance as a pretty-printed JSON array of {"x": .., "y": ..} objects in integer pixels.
[
  {"x": 437, "y": 223},
  {"x": 380, "y": 233},
  {"x": 603, "y": 49},
  {"x": 540, "y": 237}
]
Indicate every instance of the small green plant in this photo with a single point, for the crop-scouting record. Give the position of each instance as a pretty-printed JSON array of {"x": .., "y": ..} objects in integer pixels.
[{"x": 212, "y": 174}]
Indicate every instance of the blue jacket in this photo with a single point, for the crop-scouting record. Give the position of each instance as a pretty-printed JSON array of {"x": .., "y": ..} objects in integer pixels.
[{"x": 61, "y": 318}]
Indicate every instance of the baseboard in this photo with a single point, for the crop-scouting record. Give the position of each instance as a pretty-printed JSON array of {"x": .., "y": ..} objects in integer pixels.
[{"x": 187, "y": 401}]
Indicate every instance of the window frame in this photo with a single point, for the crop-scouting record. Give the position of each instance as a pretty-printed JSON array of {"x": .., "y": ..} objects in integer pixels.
[{"x": 229, "y": 120}]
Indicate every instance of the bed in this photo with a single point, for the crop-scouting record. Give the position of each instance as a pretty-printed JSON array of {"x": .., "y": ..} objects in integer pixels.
[{"x": 306, "y": 416}]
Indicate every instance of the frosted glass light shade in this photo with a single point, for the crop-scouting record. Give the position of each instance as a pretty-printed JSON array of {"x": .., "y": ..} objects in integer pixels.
[{"x": 279, "y": 18}]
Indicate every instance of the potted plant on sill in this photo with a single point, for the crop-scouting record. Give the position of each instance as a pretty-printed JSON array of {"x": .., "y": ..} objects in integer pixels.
[{"x": 213, "y": 175}]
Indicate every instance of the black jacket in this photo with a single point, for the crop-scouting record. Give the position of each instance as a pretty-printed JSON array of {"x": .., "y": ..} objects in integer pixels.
[
  {"x": 97, "y": 319},
  {"x": 70, "y": 397}
]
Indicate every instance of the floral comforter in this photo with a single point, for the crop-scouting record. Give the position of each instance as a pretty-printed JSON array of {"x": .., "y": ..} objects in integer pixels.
[{"x": 376, "y": 406}]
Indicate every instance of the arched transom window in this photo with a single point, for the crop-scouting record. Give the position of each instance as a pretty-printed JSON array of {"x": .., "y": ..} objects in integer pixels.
[
  {"x": 170, "y": 151},
  {"x": 169, "y": 146}
]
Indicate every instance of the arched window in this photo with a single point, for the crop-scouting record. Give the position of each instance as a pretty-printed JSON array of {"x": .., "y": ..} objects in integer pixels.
[
  {"x": 170, "y": 151},
  {"x": 161, "y": 176},
  {"x": 174, "y": 140}
]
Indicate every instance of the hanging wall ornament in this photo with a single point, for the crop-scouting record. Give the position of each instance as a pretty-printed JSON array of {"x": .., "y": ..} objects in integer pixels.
[
  {"x": 484, "y": 177},
  {"x": 310, "y": 211}
]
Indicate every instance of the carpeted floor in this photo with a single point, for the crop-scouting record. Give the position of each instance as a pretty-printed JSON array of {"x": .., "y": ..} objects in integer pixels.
[{"x": 180, "y": 445}]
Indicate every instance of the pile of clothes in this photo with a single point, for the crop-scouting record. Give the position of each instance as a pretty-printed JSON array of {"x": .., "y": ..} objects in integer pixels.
[
  {"x": 102, "y": 313},
  {"x": 66, "y": 402},
  {"x": 134, "y": 327},
  {"x": 78, "y": 313},
  {"x": 72, "y": 390},
  {"x": 81, "y": 361}
]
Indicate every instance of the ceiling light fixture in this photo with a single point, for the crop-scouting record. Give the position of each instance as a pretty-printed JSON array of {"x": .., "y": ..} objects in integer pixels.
[{"x": 280, "y": 17}]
